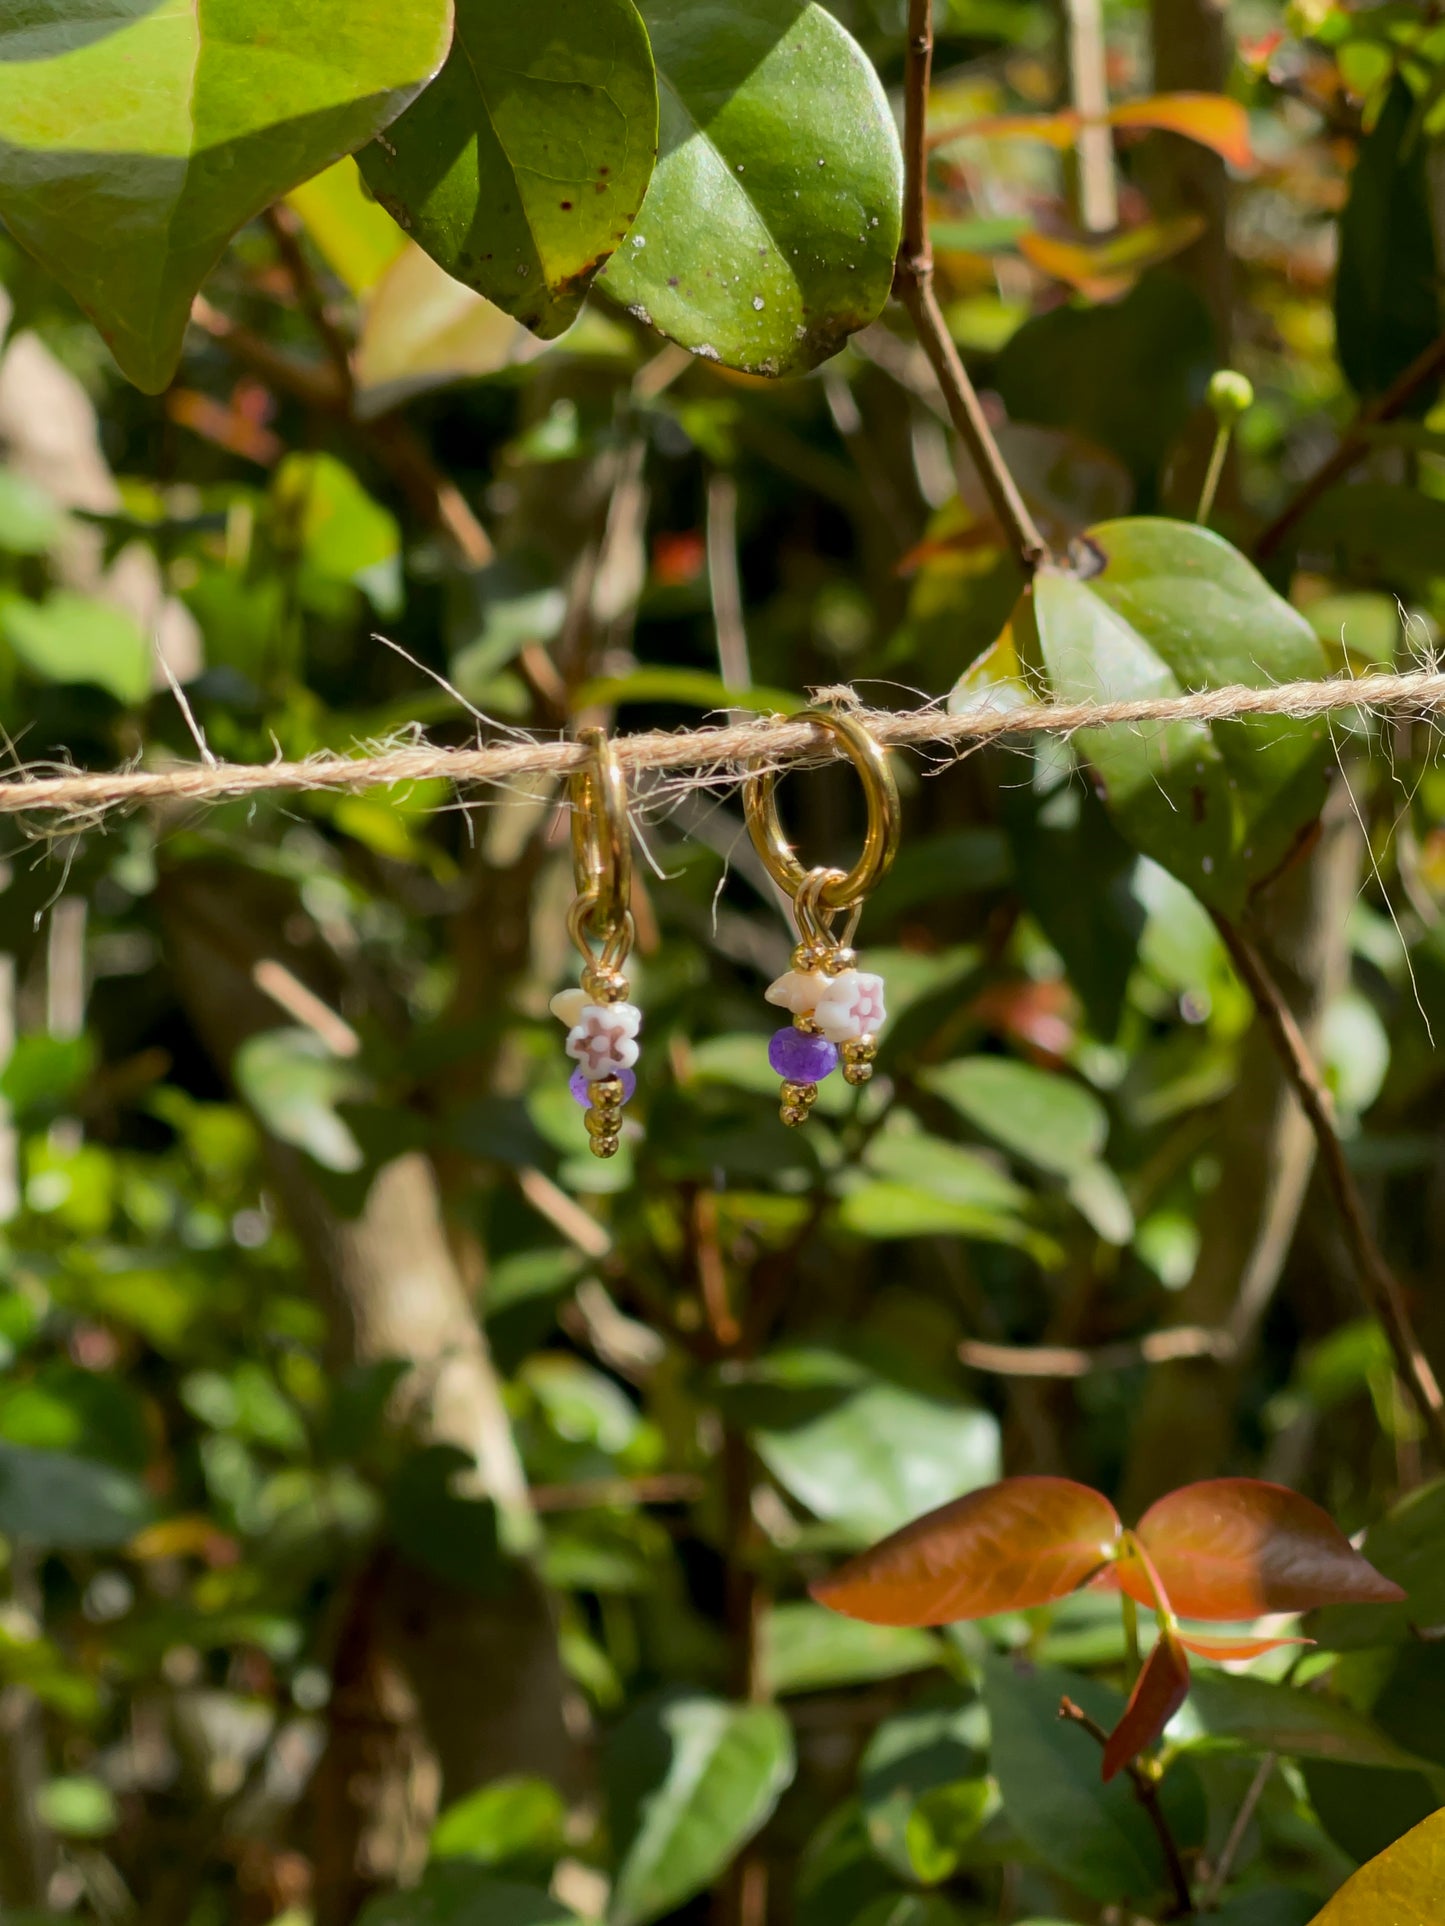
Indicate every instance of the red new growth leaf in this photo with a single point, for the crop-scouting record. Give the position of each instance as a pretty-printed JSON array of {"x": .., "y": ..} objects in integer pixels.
[
  {"x": 1022, "y": 1542},
  {"x": 1234, "y": 1648},
  {"x": 1235, "y": 1548},
  {"x": 1159, "y": 1691}
]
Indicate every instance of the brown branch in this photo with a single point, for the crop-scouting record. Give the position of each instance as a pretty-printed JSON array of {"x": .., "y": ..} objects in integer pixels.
[
  {"x": 1065, "y": 1361},
  {"x": 1382, "y": 1289},
  {"x": 913, "y": 285},
  {"x": 1355, "y": 445},
  {"x": 662, "y": 1488},
  {"x": 1146, "y": 1791}
]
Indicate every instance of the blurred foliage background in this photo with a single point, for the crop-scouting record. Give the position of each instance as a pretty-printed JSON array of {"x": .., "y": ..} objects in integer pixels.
[{"x": 392, "y": 1493}]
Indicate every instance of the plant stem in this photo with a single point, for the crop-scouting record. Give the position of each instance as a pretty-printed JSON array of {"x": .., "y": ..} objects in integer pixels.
[
  {"x": 1213, "y": 473},
  {"x": 1219, "y": 1878},
  {"x": 1382, "y": 1289},
  {"x": 1355, "y": 445},
  {"x": 1146, "y": 1791},
  {"x": 913, "y": 284},
  {"x": 1131, "y": 1637}
]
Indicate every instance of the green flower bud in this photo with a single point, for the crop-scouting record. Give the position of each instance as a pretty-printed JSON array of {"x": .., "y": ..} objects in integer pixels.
[{"x": 1231, "y": 394}]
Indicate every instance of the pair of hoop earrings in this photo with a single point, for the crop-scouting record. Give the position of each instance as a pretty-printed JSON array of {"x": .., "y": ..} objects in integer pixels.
[{"x": 836, "y": 1008}]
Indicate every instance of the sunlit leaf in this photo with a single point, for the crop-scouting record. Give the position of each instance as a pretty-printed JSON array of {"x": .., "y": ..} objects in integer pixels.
[
  {"x": 1163, "y": 609},
  {"x": 72, "y": 638},
  {"x": 1220, "y": 1649},
  {"x": 1236, "y": 1548},
  {"x": 1231, "y": 1712},
  {"x": 922, "y": 1785},
  {"x": 1103, "y": 270},
  {"x": 1158, "y": 1693},
  {"x": 689, "y": 1780},
  {"x": 355, "y": 236},
  {"x": 769, "y": 230},
  {"x": 134, "y": 144},
  {"x": 525, "y": 161},
  {"x": 1213, "y": 120},
  {"x": 1051, "y": 1121},
  {"x": 1019, "y": 1543},
  {"x": 807, "y": 1649}
]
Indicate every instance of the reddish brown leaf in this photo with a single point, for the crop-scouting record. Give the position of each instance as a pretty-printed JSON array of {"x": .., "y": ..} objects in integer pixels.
[
  {"x": 1236, "y": 1548},
  {"x": 1220, "y": 1649},
  {"x": 1159, "y": 1691},
  {"x": 1211, "y": 119},
  {"x": 1022, "y": 1542}
]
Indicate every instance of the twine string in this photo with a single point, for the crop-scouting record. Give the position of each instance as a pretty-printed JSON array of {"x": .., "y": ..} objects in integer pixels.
[{"x": 722, "y": 752}]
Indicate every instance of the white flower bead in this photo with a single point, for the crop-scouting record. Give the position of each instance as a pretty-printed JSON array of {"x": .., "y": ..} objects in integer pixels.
[
  {"x": 567, "y": 1006},
  {"x": 604, "y": 1038},
  {"x": 799, "y": 991},
  {"x": 850, "y": 1007}
]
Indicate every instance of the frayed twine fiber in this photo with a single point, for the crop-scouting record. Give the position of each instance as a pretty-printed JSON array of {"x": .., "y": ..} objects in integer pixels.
[{"x": 81, "y": 799}]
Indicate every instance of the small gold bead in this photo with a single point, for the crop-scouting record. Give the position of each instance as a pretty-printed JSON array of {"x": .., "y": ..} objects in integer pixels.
[
  {"x": 794, "y": 1114},
  {"x": 604, "y": 986},
  {"x": 856, "y": 1073},
  {"x": 807, "y": 1026},
  {"x": 604, "y": 1146},
  {"x": 839, "y": 960},
  {"x": 806, "y": 958},
  {"x": 599, "y": 1123},
  {"x": 606, "y": 1093},
  {"x": 793, "y": 1092},
  {"x": 860, "y": 1049},
  {"x": 810, "y": 1094}
]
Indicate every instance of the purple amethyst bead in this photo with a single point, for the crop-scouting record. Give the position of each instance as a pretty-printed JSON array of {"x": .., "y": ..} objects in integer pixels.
[
  {"x": 577, "y": 1084},
  {"x": 799, "y": 1057}
]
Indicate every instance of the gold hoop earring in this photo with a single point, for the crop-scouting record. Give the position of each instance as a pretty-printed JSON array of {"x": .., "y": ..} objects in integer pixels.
[
  {"x": 836, "y": 1007},
  {"x": 602, "y": 1024}
]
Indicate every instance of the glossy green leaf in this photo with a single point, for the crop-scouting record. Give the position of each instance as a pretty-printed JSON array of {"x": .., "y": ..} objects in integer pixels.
[
  {"x": 1053, "y": 1122},
  {"x": 54, "y": 1500},
  {"x": 1403, "y": 1884},
  {"x": 880, "y": 1455},
  {"x": 135, "y": 142},
  {"x": 461, "y": 1895},
  {"x": 1408, "y": 1546},
  {"x": 1387, "y": 287},
  {"x": 769, "y": 230},
  {"x": 355, "y": 236},
  {"x": 30, "y": 520},
  {"x": 1365, "y": 1809},
  {"x": 1095, "y": 1835},
  {"x": 502, "y": 1822},
  {"x": 1165, "y": 608},
  {"x": 79, "y": 1807},
  {"x": 1232, "y": 1711},
  {"x": 693, "y": 687},
  {"x": 808, "y": 1649},
  {"x": 337, "y": 533},
  {"x": 1022, "y": 1542},
  {"x": 525, "y": 162},
  {"x": 72, "y": 638},
  {"x": 689, "y": 1781}
]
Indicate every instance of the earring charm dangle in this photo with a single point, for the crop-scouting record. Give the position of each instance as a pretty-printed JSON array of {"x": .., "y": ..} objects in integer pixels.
[
  {"x": 602, "y": 1023},
  {"x": 836, "y": 1007}
]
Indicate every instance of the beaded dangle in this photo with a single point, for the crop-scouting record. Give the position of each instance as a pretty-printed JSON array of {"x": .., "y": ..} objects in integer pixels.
[
  {"x": 836, "y": 1007},
  {"x": 602, "y": 1024}
]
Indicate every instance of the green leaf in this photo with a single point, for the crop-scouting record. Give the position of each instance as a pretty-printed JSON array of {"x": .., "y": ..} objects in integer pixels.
[
  {"x": 1403, "y": 1884},
  {"x": 877, "y": 1455},
  {"x": 889, "y": 1210},
  {"x": 30, "y": 521},
  {"x": 1229, "y": 1710},
  {"x": 462, "y": 1895},
  {"x": 922, "y": 1787},
  {"x": 1052, "y": 1122},
  {"x": 1269, "y": 1906},
  {"x": 506, "y": 1821},
  {"x": 1169, "y": 608},
  {"x": 78, "y": 1808},
  {"x": 525, "y": 162},
  {"x": 52, "y": 1499},
  {"x": 357, "y": 239},
  {"x": 769, "y": 230},
  {"x": 1387, "y": 293},
  {"x": 134, "y": 142},
  {"x": 294, "y": 1084},
  {"x": 689, "y": 1781},
  {"x": 70, "y": 638},
  {"x": 1364, "y": 1809},
  {"x": 323, "y": 516},
  {"x": 694, "y": 687},
  {"x": 1408, "y": 1545},
  {"x": 1094, "y": 1835},
  {"x": 809, "y": 1649}
]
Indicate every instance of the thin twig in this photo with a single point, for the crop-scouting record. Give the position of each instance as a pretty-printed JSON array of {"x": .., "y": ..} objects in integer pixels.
[
  {"x": 1355, "y": 445},
  {"x": 1146, "y": 1791},
  {"x": 913, "y": 284},
  {"x": 1218, "y": 1879},
  {"x": 1382, "y": 1290},
  {"x": 1065, "y": 1361},
  {"x": 723, "y": 752}
]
